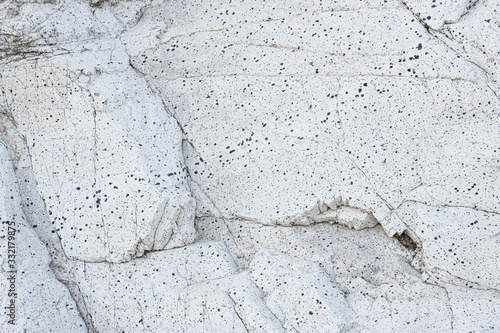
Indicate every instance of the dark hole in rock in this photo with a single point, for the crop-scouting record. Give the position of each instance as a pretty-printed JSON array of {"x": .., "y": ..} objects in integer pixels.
[{"x": 406, "y": 240}]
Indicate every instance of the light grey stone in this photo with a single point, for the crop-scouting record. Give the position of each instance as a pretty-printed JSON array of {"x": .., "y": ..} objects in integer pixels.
[
  {"x": 249, "y": 166},
  {"x": 108, "y": 161},
  {"x": 32, "y": 299}
]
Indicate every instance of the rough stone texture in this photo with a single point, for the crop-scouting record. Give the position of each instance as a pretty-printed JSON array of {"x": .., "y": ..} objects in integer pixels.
[
  {"x": 41, "y": 301},
  {"x": 108, "y": 162},
  {"x": 249, "y": 166}
]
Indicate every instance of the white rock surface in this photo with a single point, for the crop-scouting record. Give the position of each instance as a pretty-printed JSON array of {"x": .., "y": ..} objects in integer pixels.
[
  {"x": 300, "y": 293},
  {"x": 249, "y": 166},
  {"x": 315, "y": 103},
  {"x": 105, "y": 154},
  {"x": 32, "y": 298}
]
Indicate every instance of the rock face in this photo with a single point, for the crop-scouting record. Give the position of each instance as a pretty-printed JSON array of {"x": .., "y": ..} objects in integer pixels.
[
  {"x": 278, "y": 166},
  {"x": 32, "y": 297},
  {"x": 107, "y": 161}
]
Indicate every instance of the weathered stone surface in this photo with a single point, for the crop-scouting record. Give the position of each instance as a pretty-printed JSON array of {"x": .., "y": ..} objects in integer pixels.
[
  {"x": 383, "y": 292},
  {"x": 313, "y": 103},
  {"x": 277, "y": 166},
  {"x": 105, "y": 154},
  {"x": 465, "y": 252},
  {"x": 31, "y": 296},
  {"x": 475, "y": 36},
  {"x": 181, "y": 290},
  {"x": 300, "y": 293},
  {"x": 437, "y": 14}
]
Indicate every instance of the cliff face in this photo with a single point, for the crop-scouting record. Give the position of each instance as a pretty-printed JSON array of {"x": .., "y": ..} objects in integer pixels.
[{"x": 278, "y": 166}]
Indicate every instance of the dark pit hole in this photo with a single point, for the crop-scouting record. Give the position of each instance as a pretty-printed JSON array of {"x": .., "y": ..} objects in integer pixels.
[{"x": 406, "y": 240}]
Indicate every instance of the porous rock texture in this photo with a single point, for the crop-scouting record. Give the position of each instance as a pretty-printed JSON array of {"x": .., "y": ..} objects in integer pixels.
[{"x": 250, "y": 166}]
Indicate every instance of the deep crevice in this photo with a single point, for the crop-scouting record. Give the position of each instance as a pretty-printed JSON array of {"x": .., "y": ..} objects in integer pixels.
[{"x": 407, "y": 241}]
